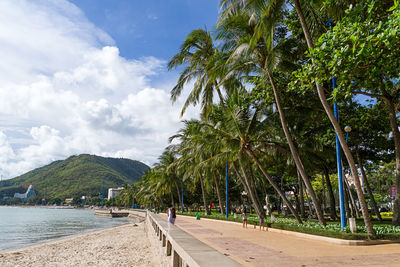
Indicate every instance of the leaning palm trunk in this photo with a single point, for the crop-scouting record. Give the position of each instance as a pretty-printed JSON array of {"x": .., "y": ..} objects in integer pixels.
[
  {"x": 295, "y": 155},
  {"x": 354, "y": 209},
  {"x": 274, "y": 185},
  {"x": 301, "y": 193},
  {"x": 218, "y": 193},
  {"x": 259, "y": 203},
  {"x": 252, "y": 193},
  {"x": 247, "y": 189},
  {"x": 268, "y": 205},
  {"x": 309, "y": 204},
  {"x": 371, "y": 195},
  {"x": 332, "y": 203},
  {"x": 338, "y": 130},
  {"x": 204, "y": 195}
]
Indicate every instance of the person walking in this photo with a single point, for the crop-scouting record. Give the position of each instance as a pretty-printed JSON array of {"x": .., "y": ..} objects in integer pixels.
[
  {"x": 171, "y": 215},
  {"x": 262, "y": 222}
]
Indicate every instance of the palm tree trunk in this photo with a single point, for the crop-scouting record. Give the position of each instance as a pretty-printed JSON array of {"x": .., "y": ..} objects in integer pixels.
[
  {"x": 251, "y": 190},
  {"x": 268, "y": 205},
  {"x": 296, "y": 200},
  {"x": 301, "y": 192},
  {"x": 332, "y": 203},
  {"x": 218, "y": 193},
  {"x": 396, "y": 136},
  {"x": 259, "y": 202},
  {"x": 369, "y": 191},
  {"x": 203, "y": 194},
  {"x": 309, "y": 204},
  {"x": 179, "y": 195},
  {"x": 221, "y": 99},
  {"x": 346, "y": 201},
  {"x": 246, "y": 186},
  {"x": 295, "y": 155},
  {"x": 338, "y": 130},
  {"x": 274, "y": 185},
  {"x": 354, "y": 208}
]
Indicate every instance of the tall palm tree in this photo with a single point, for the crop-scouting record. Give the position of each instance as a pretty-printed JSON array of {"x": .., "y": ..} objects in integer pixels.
[
  {"x": 199, "y": 56},
  {"x": 164, "y": 165},
  {"x": 191, "y": 154},
  {"x": 253, "y": 32},
  {"x": 275, "y": 7},
  {"x": 240, "y": 130},
  {"x": 335, "y": 123}
]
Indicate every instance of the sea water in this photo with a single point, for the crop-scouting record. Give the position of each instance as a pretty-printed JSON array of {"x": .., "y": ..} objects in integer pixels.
[{"x": 21, "y": 227}]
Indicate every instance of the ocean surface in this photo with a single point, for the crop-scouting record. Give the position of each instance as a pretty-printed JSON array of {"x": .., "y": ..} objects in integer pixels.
[{"x": 20, "y": 227}]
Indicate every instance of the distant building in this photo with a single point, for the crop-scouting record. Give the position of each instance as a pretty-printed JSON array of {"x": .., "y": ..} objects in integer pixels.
[
  {"x": 113, "y": 192},
  {"x": 29, "y": 193},
  {"x": 68, "y": 200}
]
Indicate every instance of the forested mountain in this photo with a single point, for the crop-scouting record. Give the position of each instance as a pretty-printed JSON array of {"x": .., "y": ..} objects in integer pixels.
[{"x": 82, "y": 175}]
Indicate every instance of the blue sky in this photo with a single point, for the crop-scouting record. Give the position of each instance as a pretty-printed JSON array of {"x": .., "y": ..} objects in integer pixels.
[
  {"x": 150, "y": 27},
  {"x": 89, "y": 76}
]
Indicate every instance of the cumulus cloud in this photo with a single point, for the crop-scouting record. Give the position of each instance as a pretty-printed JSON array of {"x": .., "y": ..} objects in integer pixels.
[{"x": 66, "y": 90}]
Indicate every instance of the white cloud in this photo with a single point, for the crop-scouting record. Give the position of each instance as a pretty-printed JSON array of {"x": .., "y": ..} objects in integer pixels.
[{"x": 66, "y": 90}]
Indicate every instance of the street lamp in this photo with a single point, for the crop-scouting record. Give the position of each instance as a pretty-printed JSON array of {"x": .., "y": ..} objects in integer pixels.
[{"x": 347, "y": 129}]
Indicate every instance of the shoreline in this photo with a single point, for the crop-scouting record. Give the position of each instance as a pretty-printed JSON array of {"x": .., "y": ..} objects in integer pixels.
[
  {"x": 127, "y": 244},
  {"x": 44, "y": 207},
  {"x": 66, "y": 237}
]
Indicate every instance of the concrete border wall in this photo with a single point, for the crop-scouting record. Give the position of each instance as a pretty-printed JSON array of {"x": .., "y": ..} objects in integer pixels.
[{"x": 178, "y": 248}]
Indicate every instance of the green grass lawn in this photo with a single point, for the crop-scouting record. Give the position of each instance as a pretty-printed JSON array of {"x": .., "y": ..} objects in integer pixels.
[{"x": 383, "y": 229}]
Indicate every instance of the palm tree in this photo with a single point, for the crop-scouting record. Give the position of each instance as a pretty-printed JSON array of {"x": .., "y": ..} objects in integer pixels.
[
  {"x": 165, "y": 161},
  {"x": 191, "y": 154},
  {"x": 335, "y": 123},
  {"x": 275, "y": 6},
  {"x": 253, "y": 34},
  {"x": 200, "y": 57},
  {"x": 241, "y": 132}
]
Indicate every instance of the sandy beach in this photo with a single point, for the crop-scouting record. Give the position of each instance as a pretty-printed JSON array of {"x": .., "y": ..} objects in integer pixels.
[{"x": 126, "y": 245}]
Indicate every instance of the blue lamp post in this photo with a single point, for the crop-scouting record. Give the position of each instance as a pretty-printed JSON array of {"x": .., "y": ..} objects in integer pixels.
[
  {"x": 338, "y": 156},
  {"x": 226, "y": 190},
  {"x": 339, "y": 168}
]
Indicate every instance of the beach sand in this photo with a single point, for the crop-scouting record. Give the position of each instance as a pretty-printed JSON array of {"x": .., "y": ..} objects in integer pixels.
[{"x": 126, "y": 245}]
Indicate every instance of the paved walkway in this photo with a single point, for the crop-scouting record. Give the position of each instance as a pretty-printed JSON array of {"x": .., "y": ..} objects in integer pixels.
[{"x": 252, "y": 247}]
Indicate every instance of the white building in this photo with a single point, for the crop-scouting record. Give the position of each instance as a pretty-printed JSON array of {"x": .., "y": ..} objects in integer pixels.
[
  {"x": 113, "y": 192},
  {"x": 29, "y": 193}
]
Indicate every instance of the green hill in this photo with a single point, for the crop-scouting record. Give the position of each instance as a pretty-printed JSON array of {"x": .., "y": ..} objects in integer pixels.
[{"x": 75, "y": 176}]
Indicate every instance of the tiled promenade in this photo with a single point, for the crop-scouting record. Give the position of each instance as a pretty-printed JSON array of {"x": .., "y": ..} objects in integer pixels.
[{"x": 252, "y": 247}]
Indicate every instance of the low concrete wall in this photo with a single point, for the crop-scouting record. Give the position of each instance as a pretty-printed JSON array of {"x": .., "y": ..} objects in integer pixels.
[
  {"x": 179, "y": 249},
  {"x": 140, "y": 215}
]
